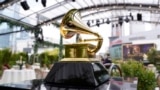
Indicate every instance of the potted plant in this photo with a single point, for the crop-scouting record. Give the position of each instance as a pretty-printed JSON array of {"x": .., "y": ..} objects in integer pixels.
[
  {"x": 152, "y": 54},
  {"x": 135, "y": 70},
  {"x": 146, "y": 80},
  {"x": 130, "y": 70}
]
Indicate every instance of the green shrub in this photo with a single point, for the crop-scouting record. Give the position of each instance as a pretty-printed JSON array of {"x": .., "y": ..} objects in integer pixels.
[
  {"x": 126, "y": 70},
  {"x": 146, "y": 80},
  {"x": 152, "y": 54},
  {"x": 131, "y": 68}
]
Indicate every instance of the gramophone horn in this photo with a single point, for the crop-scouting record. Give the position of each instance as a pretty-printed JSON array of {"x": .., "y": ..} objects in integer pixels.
[{"x": 71, "y": 25}]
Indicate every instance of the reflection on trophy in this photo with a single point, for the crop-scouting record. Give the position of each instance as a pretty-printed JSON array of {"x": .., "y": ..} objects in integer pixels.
[{"x": 158, "y": 81}]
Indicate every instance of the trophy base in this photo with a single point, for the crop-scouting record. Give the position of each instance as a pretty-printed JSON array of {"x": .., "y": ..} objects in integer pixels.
[{"x": 78, "y": 51}]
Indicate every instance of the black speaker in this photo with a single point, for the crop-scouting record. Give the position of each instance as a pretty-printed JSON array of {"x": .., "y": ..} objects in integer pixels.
[
  {"x": 139, "y": 17},
  {"x": 24, "y": 5}
]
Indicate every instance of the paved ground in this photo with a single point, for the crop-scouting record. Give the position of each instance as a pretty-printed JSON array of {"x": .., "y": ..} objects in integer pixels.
[{"x": 130, "y": 86}]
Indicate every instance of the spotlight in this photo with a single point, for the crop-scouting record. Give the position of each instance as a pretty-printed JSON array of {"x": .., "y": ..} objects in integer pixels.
[
  {"x": 73, "y": 0},
  {"x": 36, "y": 0},
  {"x": 127, "y": 19},
  {"x": 120, "y": 20},
  {"x": 112, "y": 25},
  {"x": 116, "y": 25},
  {"x": 92, "y": 21},
  {"x": 24, "y": 5},
  {"x": 88, "y": 23},
  {"x": 102, "y": 20},
  {"x": 108, "y": 21},
  {"x": 98, "y": 22},
  {"x": 131, "y": 16},
  {"x": 139, "y": 16},
  {"x": 44, "y": 3}
]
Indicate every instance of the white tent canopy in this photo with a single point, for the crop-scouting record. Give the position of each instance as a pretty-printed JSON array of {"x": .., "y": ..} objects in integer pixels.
[
  {"x": 91, "y": 11},
  {"x": 37, "y": 14}
]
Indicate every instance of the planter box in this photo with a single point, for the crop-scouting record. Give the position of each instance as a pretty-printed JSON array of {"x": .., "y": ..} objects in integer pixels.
[{"x": 131, "y": 79}]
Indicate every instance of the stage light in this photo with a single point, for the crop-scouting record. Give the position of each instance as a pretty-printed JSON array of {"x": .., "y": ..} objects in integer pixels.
[
  {"x": 127, "y": 19},
  {"x": 24, "y": 5},
  {"x": 44, "y": 3},
  {"x": 36, "y": 0},
  {"x": 102, "y": 20},
  {"x": 139, "y": 16},
  {"x": 88, "y": 23},
  {"x": 92, "y": 21},
  {"x": 112, "y": 25},
  {"x": 97, "y": 22},
  {"x": 108, "y": 21},
  {"x": 120, "y": 20},
  {"x": 131, "y": 16},
  {"x": 116, "y": 25}
]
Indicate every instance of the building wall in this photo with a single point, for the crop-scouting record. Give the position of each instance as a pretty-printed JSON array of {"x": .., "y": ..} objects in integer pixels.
[
  {"x": 152, "y": 36},
  {"x": 146, "y": 37},
  {"x": 23, "y": 43},
  {"x": 116, "y": 52},
  {"x": 8, "y": 40},
  {"x": 136, "y": 27},
  {"x": 4, "y": 39}
]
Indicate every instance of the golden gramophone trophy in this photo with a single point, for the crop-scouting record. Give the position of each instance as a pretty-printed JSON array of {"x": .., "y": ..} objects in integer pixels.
[
  {"x": 79, "y": 69},
  {"x": 71, "y": 25}
]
